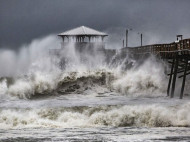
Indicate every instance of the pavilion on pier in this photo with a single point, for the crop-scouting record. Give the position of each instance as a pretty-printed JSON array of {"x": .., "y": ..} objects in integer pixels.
[{"x": 83, "y": 36}]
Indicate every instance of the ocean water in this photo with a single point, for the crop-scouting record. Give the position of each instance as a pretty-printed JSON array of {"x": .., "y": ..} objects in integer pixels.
[{"x": 88, "y": 100}]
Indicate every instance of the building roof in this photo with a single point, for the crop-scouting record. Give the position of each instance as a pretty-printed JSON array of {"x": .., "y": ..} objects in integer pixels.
[{"x": 82, "y": 31}]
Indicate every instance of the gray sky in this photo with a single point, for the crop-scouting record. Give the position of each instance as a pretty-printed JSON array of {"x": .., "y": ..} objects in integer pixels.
[{"x": 21, "y": 21}]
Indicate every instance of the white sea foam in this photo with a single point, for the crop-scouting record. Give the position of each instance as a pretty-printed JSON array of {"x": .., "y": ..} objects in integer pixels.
[{"x": 139, "y": 115}]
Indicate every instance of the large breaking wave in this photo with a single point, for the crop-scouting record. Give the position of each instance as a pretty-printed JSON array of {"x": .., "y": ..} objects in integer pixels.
[{"x": 31, "y": 72}]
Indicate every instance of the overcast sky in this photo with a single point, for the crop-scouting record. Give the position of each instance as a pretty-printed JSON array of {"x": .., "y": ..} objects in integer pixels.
[{"x": 21, "y": 21}]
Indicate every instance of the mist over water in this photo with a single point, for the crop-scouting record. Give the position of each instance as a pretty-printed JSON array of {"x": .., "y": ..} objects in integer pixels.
[
  {"x": 28, "y": 58},
  {"x": 88, "y": 91}
]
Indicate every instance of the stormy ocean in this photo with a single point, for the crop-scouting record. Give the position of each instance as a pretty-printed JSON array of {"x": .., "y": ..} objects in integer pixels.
[{"x": 87, "y": 100}]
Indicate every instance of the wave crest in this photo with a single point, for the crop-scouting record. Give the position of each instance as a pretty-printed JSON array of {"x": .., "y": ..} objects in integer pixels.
[
  {"x": 62, "y": 83},
  {"x": 119, "y": 116}
]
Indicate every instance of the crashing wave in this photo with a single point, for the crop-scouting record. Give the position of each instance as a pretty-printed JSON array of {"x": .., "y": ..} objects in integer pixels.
[
  {"x": 118, "y": 116},
  {"x": 147, "y": 79},
  {"x": 131, "y": 83},
  {"x": 41, "y": 77},
  {"x": 62, "y": 83}
]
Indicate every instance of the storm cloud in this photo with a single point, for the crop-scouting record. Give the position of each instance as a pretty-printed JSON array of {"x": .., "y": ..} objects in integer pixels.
[{"x": 21, "y": 21}]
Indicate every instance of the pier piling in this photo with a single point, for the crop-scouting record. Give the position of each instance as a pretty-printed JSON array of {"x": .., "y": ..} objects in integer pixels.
[
  {"x": 174, "y": 75},
  {"x": 184, "y": 78},
  {"x": 170, "y": 79}
]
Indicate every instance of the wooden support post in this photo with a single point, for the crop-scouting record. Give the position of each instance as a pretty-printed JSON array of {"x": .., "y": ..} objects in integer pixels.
[
  {"x": 184, "y": 78},
  {"x": 141, "y": 40},
  {"x": 102, "y": 38},
  {"x": 126, "y": 38},
  {"x": 89, "y": 38},
  {"x": 63, "y": 37},
  {"x": 175, "y": 74},
  {"x": 67, "y": 38},
  {"x": 170, "y": 79}
]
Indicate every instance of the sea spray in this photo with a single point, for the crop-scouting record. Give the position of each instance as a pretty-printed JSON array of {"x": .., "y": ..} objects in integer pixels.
[
  {"x": 31, "y": 57},
  {"x": 146, "y": 78},
  {"x": 38, "y": 83}
]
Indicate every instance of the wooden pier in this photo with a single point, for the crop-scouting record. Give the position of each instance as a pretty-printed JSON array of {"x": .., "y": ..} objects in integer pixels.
[{"x": 177, "y": 54}]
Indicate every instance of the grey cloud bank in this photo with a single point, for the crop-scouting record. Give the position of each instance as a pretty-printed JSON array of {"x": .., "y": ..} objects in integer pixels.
[{"x": 21, "y": 21}]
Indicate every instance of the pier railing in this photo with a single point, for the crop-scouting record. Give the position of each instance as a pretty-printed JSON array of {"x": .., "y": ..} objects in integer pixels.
[{"x": 163, "y": 49}]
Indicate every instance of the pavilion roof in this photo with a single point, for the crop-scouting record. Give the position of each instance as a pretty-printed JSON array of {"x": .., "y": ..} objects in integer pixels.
[{"x": 82, "y": 31}]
